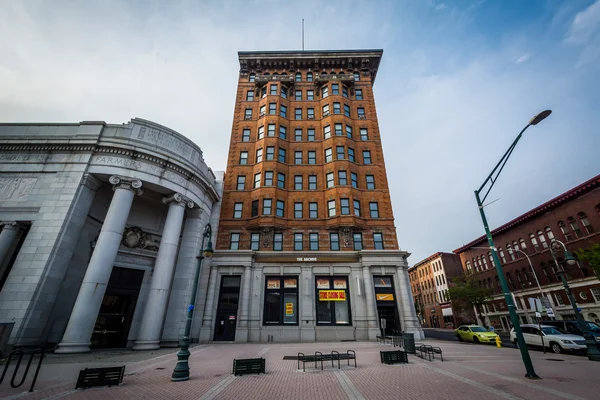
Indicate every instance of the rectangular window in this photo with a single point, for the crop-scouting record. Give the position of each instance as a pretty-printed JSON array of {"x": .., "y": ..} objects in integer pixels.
[
  {"x": 298, "y": 134},
  {"x": 333, "y": 307},
  {"x": 331, "y": 208},
  {"x": 243, "y": 157},
  {"x": 358, "y": 94},
  {"x": 270, "y": 153},
  {"x": 268, "y": 178},
  {"x": 234, "y": 241},
  {"x": 348, "y": 131},
  {"x": 361, "y": 112},
  {"x": 250, "y": 95},
  {"x": 326, "y": 132},
  {"x": 310, "y": 113},
  {"x": 267, "y": 204},
  {"x": 282, "y": 156},
  {"x": 241, "y": 182},
  {"x": 298, "y": 182},
  {"x": 261, "y": 132},
  {"x": 334, "y": 241},
  {"x": 312, "y": 182},
  {"x": 298, "y": 95},
  {"x": 282, "y": 132},
  {"x": 335, "y": 88},
  {"x": 336, "y": 108},
  {"x": 312, "y": 157},
  {"x": 280, "y": 208},
  {"x": 237, "y": 210},
  {"x": 297, "y": 157},
  {"x": 313, "y": 211},
  {"x": 340, "y": 153},
  {"x": 378, "y": 241},
  {"x": 346, "y": 110},
  {"x": 283, "y": 111},
  {"x": 272, "y": 108},
  {"x": 364, "y": 134},
  {"x": 284, "y": 92},
  {"x": 344, "y": 91},
  {"x": 374, "y": 209},
  {"x": 257, "y": 180},
  {"x": 313, "y": 241},
  {"x": 246, "y": 135},
  {"x": 311, "y": 135},
  {"x": 366, "y": 157},
  {"x": 357, "y": 208},
  {"x": 278, "y": 241},
  {"x": 351, "y": 156},
  {"x": 271, "y": 130},
  {"x": 370, "y": 182},
  {"x": 298, "y": 113},
  {"x": 273, "y": 90},
  {"x": 328, "y": 155},
  {"x": 310, "y": 95},
  {"x": 263, "y": 92},
  {"x": 324, "y": 92},
  {"x": 298, "y": 211},
  {"x": 248, "y": 113},
  {"x": 281, "y": 180},
  {"x": 326, "y": 110},
  {"x": 358, "y": 244},
  {"x": 354, "y": 178},
  {"x": 338, "y": 129},
  {"x": 596, "y": 294},
  {"x": 342, "y": 178},
  {"x": 298, "y": 241},
  {"x": 259, "y": 155},
  {"x": 255, "y": 241},
  {"x": 281, "y": 301},
  {"x": 254, "y": 208},
  {"x": 329, "y": 180},
  {"x": 345, "y": 206}
]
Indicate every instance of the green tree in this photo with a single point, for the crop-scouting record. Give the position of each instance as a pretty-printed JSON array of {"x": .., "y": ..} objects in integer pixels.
[
  {"x": 466, "y": 292},
  {"x": 591, "y": 256}
]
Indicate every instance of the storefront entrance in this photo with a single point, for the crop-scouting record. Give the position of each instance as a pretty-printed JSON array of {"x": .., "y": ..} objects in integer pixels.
[
  {"x": 116, "y": 312},
  {"x": 227, "y": 309},
  {"x": 387, "y": 306}
]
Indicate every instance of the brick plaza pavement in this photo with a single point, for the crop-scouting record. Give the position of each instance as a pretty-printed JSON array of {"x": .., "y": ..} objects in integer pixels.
[{"x": 468, "y": 371}]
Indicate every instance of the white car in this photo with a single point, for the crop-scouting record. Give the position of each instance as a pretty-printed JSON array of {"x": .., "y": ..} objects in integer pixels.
[{"x": 554, "y": 339}]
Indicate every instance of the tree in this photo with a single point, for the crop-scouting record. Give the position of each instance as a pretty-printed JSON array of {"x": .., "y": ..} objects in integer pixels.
[
  {"x": 466, "y": 293},
  {"x": 591, "y": 256}
]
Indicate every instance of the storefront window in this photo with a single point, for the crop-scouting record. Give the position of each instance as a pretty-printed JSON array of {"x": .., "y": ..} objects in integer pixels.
[
  {"x": 281, "y": 301},
  {"x": 333, "y": 304}
]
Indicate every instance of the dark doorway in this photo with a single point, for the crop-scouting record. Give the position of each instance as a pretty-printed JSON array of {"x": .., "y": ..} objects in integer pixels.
[
  {"x": 227, "y": 309},
  {"x": 389, "y": 312},
  {"x": 116, "y": 312},
  {"x": 387, "y": 307}
]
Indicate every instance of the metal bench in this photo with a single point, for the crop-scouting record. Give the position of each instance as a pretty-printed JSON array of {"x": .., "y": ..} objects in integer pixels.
[
  {"x": 248, "y": 366},
  {"x": 90, "y": 377},
  {"x": 320, "y": 357},
  {"x": 394, "y": 357},
  {"x": 429, "y": 351}
]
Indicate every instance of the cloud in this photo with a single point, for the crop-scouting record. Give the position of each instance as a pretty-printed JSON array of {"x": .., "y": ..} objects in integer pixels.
[
  {"x": 585, "y": 26},
  {"x": 523, "y": 58}
]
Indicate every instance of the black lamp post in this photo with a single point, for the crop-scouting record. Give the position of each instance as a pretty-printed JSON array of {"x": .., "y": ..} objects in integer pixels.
[
  {"x": 182, "y": 369},
  {"x": 593, "y": 353}
]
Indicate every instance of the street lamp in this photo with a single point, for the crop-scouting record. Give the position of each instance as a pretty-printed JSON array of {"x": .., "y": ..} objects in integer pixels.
[
  {"x": 182, "y": 369},
  {"x": 491, "y": 179},
  {"x": 593, "y": 353}
]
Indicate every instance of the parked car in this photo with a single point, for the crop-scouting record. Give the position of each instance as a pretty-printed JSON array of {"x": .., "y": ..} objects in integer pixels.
[
  {"x": 475, "y": 334},
  {"x": 572, "y": 327},
  {"x": 553, "y": 339}
]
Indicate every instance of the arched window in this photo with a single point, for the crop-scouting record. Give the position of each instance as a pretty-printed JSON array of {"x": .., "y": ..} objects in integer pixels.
[
  {"x": 356, "y": 76},
  {"x": 509, "y": 280},
  {"x": 484, "y": 259},
  {"x": 526, "y": 276},
  {"x": 542, "y": 239},
  {"x": 563, "y": 229},
  {"x": 468, "y": 265},
  {"x": 251, "y": 77},
  {"x": 574, "y": 226},
  {"x": 309, "y": 77},
  {"x": 511, "y": 253},
  {"x": 519, "y": 281},
  {"x": 283, "y": 74},
  {"x": 549, "y": 233},
  {"x": 275, "y": 74},
  {"x": 516, "y": 247},
  {"x": 491, "y": 259},
  {"x": 523, "y": 244},
  {"x": 298, "y": 77},
  {"x": 266, "y": 74},
  {"x": 534, "y": 242},
  {"x": 501, "y": 252},
  {"x": 589, "y": 229}
]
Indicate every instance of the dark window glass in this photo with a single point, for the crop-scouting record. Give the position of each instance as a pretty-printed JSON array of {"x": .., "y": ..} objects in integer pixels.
[
  {"x": 298, "y": 134},
  {"x": 268, "y": 178},
  {"x": 281, "y": 300},
  {"x": 298, "y": 95},
  {"x": 346, "y": 110},
  {"x": 335, "y": 88},
  {"x": 311, "y": 135},
  {"x": 254, "y": 208},
  {"x": 243, "y": 157},
  {"x": 298, "y": 241},
  {"x": 313, "y": 210},
  {"x": 246, "y": 135},
  {"x": 312, "y": 182},
  {"x": 298, "y": 211},
  {"x": 337, "y": 310},
  {"x": 282, "y": 132},
  {"x": 267, "y": 204},
  {"x": 334, "y": 241},
  {"x": 359, "y": 95},
  {"x": 370, "y": 182},
  {"x": 345, "y": 206},
  {"x": 340, "y": 153},
  {"x": 364, "y": 134},
  {"x": 298, "y": 157},
  {"x": 312, "y": 157},
  {"x": 313, "y": 241},
  {"x": 342, "y": 178},
  {"x": 273, "y": 90},
  {"x": 255, "y": 241},
  {"x": 270, "y": 153},
  {"x": 241, "y": 182},
  {"x": 234, "y": 241},
  {"x": 281, "y": 180},
  {"x": 338, "y": 129},
  {"x": 354, "y": 178},
  {"x": 283, "y": 111},
  {"x": 310, "y": 95},
  {"x": 336, "y": 108},
  {"x": 358, "y": 241},
  {"x": 348, "y": 131},
  {"x": 298, "y": 182},
  {"x": 282, "y": 155},
  {"x": 351, "y": 156},
  {"x": 250, "y": 95},
  {"x": 278, "y": 242},
  {"x": 272, "y": 108},
  {"x": 366, "y": 157},
  {"x": 298, "y": 113},
  {"x": 357, "y": 208},
  {"x": 374, "y": 209},
  {"x": 237, "y": 210},
  {"x": 280, "y": 208},
  {"x": 378, "y": 241}
]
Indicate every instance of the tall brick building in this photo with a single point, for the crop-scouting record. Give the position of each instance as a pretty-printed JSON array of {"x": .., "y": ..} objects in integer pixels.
[{"x": 306, "y": 245}]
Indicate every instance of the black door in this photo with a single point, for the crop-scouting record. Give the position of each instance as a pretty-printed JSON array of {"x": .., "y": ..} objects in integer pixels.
[
  {"x": 227, "y": 309},
  {"x": 390, "y": 314},
  {"x": 116, "y": 312}
]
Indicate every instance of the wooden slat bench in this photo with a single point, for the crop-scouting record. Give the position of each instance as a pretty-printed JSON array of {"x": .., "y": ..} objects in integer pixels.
[
  {"x": 90, "y": 377},
  {"x": 249, "y": 366},
  {"x": 394, "y": 357}
]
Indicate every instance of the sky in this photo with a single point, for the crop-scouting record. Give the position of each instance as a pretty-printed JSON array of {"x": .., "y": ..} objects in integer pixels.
[{"x": 457, "y": 82}]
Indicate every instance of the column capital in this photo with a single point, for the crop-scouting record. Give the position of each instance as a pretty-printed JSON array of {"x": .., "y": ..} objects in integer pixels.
[
  {"x": 123, "y": 182},
  {"x": 179, "y": 200},
  {"x": 12, "y": 225},
  {"x": 91, "y": 182}
]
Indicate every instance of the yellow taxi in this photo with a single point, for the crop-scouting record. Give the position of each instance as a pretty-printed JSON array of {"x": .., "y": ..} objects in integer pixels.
[{"x": 475, "y": 334}]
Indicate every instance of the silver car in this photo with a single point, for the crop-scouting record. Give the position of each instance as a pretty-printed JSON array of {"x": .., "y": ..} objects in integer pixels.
[{"x": 554, "y": 339}]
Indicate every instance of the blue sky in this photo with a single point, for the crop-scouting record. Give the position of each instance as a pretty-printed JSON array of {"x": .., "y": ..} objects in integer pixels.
[{"x": 458, "y": 81}]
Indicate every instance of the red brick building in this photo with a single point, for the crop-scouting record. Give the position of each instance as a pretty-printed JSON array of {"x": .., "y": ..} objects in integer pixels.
[{"x": 573, "y": 218}]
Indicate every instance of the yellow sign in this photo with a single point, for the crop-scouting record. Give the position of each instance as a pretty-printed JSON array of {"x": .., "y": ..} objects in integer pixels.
[
  {"x": 289, "y": 308},
  {"x": 384, "y": 297},
  {"x": 332, "y": 295}
]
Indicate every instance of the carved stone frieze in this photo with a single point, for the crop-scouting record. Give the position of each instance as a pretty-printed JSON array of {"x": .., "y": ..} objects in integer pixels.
[
  {"x": 346, "y": 236},
  {"x": 267, "y": 237},
  {"x": 16, "y": 189},
  {"x": 134, "y": 237}
]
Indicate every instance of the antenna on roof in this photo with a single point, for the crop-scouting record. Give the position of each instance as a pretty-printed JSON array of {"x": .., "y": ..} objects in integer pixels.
[{"x": 302, "y": 34}]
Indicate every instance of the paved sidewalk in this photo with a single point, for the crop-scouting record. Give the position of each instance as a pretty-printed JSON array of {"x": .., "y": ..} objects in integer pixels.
[{"x": 468, "y": 371}]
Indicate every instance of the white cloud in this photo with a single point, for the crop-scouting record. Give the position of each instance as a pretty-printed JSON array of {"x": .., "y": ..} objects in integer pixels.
[
  {"x": 523, "y": 58},
  {"x": 585, "y": 26}
]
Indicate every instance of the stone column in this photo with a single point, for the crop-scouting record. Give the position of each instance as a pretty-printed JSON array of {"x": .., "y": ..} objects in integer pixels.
[
  {"x": 404, "y": 293},
  {"x": 206, "y": 332},
  {"x": 158, "y": 296},
  {"x": 10, "y": 233},
  {"x": 242, "y": 331},
  {"x": 372, "y": 325},
  {"x": 89, "y": 299}
]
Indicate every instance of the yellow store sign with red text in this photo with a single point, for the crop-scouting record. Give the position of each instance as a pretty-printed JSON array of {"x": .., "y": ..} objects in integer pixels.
[{"x": 332, "y": 295}]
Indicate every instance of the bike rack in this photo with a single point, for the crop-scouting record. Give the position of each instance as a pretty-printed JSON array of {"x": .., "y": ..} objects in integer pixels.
[{"x": 21, "y": 353}]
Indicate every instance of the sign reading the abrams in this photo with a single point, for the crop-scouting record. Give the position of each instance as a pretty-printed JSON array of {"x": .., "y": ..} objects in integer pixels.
[{"x": 332, "y": 295}]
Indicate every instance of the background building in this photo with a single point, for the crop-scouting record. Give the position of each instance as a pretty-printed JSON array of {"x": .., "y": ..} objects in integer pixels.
[
  {"x": 430, "y": 280},
  {"x": 573, "y": 218},
  {"x": 101, "y": 225},
  {"x": 307, "y": 246}
]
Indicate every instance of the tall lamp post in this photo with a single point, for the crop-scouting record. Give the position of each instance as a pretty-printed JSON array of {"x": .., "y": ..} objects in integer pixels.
[
  {"x": 593, "y": 353},
  {"x": 480, "y": 195},
  {"x": 182, "y": 369}
]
